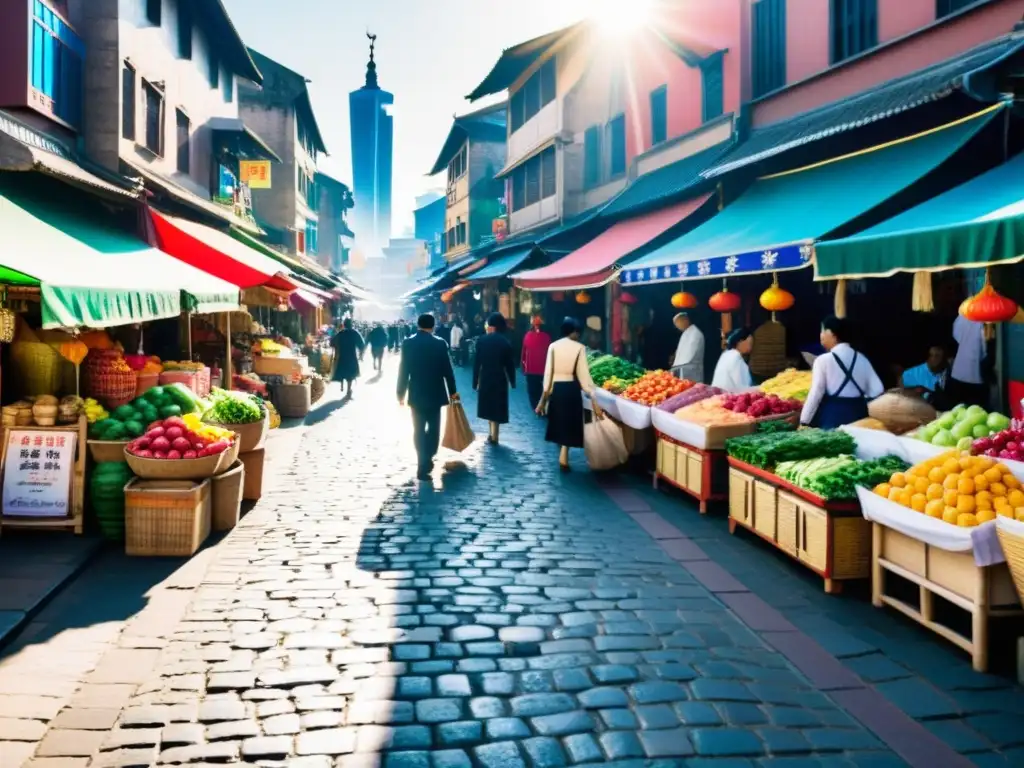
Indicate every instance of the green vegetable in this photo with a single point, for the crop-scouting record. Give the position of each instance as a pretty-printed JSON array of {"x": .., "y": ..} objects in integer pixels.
[
  {"x": 115, "y": 431},
  {"x": 775, "y": 425},
  {"x": 134, "y": 428},
  {"x": 183, "y": 397},
  {"x": 154, "y": 395},
  {"x": 100, "y": 428},
  {"x": 768, "y": 450},
  {"x": 123, "y": 412},
  {"x": 837, "y": 478},
  {"x": 170, "y": 410},
  {"x": 233, "y": 408}
]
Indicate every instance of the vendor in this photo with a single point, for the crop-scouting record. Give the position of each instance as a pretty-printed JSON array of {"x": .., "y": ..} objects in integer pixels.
[
  {"x": 930, "y": 378},
  {"x": 842, "y": 381},
  {"x": 732, "y": 373},
  {"x": 689, "y": 360}
]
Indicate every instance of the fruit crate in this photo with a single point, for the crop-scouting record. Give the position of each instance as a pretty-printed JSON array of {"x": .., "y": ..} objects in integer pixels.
[
  {"x": 166, "y": 518},
  {"x": 699, "y": 473}
]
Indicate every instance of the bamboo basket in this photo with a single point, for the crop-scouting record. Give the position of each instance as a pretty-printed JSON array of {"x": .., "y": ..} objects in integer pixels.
[
  {"x": 227, "y": 497},
  {"x": 250, "y": 436},
  {"x": 294, "y": 400},
  {"x": 769, "y": 355},
  {"x": 317, "y": 388},
  {"x": 166, "y": 518},
  {"x": 37, "y": 368},
  {"x": 183, "y": 469},
  {"x": 104, "y": 451},
  {"x": 1013, "y": 547},
  {"x": 145, "y": 382}
]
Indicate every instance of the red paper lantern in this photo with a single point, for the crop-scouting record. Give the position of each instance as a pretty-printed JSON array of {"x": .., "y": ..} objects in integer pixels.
[
  {"x": 627, "y": 298},
  {"x": 988, "y": 306},
  {"x": 447, "y": 296},
  {"x": 725, "y": 301},
  {"x": 558, "y": 296},
  {"x": 684, "y": 300}
]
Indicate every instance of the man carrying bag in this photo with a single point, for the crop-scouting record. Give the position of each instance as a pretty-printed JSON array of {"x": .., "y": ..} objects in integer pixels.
[{"x": 426, "y": 379}]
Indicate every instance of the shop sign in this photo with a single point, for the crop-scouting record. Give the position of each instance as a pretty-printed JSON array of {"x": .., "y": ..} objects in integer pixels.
[
  {"x": 38, "y": 469},
  {"x": 499, "y": 227},
  {"x": 255, "y": 173}
]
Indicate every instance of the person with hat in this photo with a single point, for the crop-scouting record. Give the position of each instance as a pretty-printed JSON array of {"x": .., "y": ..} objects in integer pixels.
[
  {"x": 535, "y": 352},
  {"x": 494, "y": 371}
]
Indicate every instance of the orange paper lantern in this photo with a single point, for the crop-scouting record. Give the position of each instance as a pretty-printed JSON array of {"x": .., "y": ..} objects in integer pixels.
[
  {"x": 582, "y": 297},
  {"x": 446, "y": 297},
  {"x": 988, "y": 306},
  {"x": 684, "y": 300},
  {"x": 725, "y": 301},
  {"x": 777, "y": 299}
]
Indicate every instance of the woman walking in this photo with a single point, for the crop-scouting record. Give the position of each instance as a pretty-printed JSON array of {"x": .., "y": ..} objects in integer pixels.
[
  {"x": 566, "y": 377},
  {"x": 535, "y": 353},
  {"x": 494, "y": 371},
  {"x": 378, "y": 340},
  {"x": 348, "y": 348}
]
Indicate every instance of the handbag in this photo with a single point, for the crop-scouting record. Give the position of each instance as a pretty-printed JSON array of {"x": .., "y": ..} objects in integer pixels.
[
  {"x": 458, "y": 435},
  {"x": 604, "y": 445}
]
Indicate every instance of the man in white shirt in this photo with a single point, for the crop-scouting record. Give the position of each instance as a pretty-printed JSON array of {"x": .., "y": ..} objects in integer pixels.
[
  {"x": 456, "y": 345},
  {"x": 966, "y": 382},
  {"x": 689, "y": 359}
]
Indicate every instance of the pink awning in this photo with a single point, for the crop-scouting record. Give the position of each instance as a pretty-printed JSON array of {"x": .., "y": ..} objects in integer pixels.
[{"x": 594, "y": 264}]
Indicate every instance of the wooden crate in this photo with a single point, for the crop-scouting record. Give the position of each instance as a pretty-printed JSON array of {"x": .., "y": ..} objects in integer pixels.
[
  {"x": 166, "y": 518},
  {"x": 982, "y": 592},
  {"x": 278, "y": 366},
  {"x": 832, "y": 539},
  {"x": 701, "y": 474}
]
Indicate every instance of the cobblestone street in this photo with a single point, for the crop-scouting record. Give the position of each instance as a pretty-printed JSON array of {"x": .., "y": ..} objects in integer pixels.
[{"x": 502, "y": 615}]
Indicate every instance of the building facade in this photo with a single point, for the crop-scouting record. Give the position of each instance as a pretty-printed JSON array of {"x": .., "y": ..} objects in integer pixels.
[
  {"x": 472, "y": 157},
  {"x": 372, "y": 134},
  {"x": 334, "y": 233},
  {"x": 160, "y": 99},
  {"x": 429, "y": 227},
  {"x": 281, "y": 111}
]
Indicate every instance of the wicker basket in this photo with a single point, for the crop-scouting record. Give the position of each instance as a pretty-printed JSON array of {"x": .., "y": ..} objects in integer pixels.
[
  {"x": 183, "y": 469},
  {"x": 317, "y": 388},
  {"x": 166, "y": 518},
  {"x": 36, "y": 368},
  {"x": 8, "y": 324},
  {"x": 103, "y": 451},
  {"x": 145, "y": 382},
  {"x": 769, "y": 355},
  {"x": 1013, "y": 547},
  {"x": 293, "y": 400},
  {"x": 110, "y": 388},
  {"x": 250, "y": 436},
  {"x": 901, "y": 411},
  {"x": 227, "y": 497},
  {"x": 252, "y": 490}
]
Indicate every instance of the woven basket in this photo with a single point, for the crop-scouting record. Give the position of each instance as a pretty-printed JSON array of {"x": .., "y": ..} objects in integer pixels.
[
  {"x": 317, "y": 387},
  {"x": 145, "y": 382},
  {"x": 8, "y": 324},
  {"x": 768, "y": 357},
  {"x": 901, "y": 412},
  {"x": 183, "y": 469},
  {"x": 1013, "y": 547},
  {"x": 188, "y": 378},
  {"x": 166, "y": 518},
  {"x": 250, "y": 436},
  {"x": 227, "y": 497},
  {"x": 293, "y": 400},
  {"x": 104, "y": 451},
  {"x": 108, "y": 387},
  {"x": 36, "y": 368}
]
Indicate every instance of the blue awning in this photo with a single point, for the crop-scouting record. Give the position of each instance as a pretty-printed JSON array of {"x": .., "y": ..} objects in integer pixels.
[
  {"x": 502, "y": 266},
  {"x": 772, "y": 226}
]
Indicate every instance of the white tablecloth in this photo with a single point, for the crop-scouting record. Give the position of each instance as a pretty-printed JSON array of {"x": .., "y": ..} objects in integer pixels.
[
  {"x": 633, "y": 414},
  {"x": 683, "y": 431},
  {"x": 609, "y": 403}
]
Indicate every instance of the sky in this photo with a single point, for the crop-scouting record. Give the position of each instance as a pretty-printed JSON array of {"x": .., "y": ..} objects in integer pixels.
[{"x": 429, "y": 54}]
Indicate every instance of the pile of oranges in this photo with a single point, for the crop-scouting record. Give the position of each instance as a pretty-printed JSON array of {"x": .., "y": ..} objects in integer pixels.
[
  {"x": 655, "y": 387},
  {"x": 959, "y": 489}
]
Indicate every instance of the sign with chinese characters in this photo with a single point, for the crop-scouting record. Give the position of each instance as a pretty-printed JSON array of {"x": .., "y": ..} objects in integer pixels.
[
  {"x": 255, "y": 173},
  {"x": 37, "y": 473},
  {"x": 500, "y": 228}
]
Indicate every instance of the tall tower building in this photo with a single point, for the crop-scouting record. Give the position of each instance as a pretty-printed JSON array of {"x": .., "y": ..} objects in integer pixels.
[{"x": 372, "y": 138}]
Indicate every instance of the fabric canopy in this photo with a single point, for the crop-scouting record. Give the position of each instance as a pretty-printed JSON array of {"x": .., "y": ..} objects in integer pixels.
[
  {"x": 771, "y": 227},
  {"x": 303, "y": 298},
  {"x": 218, "y": 253},
  {"x": 976, "y": 224},
  {"x": 594, "y": 264},
  {"x": 503, "y": 265},
  {"x": 96, "y": 276}
]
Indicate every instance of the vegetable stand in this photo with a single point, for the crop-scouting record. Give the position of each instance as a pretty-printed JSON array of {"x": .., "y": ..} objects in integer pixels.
[
  {"x": 831, "y": 538},
  {"x": 700, "y": 473}
]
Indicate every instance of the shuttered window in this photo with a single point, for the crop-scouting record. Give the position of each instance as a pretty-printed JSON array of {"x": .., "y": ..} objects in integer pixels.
[
  {"x": 769, "y": 33},
  {"x": 617, "y": 146},
  {"x": 659, "y": 115},
  {"x": 712, "y": 103},
  {"x": 592, "y": 156},
  {"x": 547, "y": 173},
  {"x": 854, "y": 27},
  {"x": 946, "y": 7}
]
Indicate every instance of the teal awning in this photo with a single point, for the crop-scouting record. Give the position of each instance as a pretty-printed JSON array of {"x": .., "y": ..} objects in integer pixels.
[
  {"x": 977, "y": 224},
  {"x": 94, "y": 275},
  {"x": 772, "y": 226},
  {"x": 501, "y": 266}
]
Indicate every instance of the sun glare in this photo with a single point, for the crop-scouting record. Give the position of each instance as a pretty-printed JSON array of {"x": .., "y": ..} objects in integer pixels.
[{"x": 620, "y": 17}]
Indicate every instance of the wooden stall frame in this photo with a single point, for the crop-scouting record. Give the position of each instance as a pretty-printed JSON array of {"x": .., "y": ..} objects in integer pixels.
[
  {"x": 77, "y": 491},
  {"x": 838, "y": 515},
  {"x": 710, "y": 461}
]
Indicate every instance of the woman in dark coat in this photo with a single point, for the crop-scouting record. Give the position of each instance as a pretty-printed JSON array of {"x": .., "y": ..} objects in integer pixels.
[
  {"x": 494, "y": 371},
  {"x": 378, "y": 339},
  {"x": 348, "y": 348}
]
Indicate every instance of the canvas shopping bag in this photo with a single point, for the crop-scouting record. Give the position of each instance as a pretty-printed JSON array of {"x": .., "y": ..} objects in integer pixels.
[
  {"x": 604, "y": 445},
  {"x": 458, "y": 435}
]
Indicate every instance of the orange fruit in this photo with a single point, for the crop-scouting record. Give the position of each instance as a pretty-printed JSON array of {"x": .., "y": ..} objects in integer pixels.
[
  {"x": 965, "y": 486},
  {"x": 997, "y": 489},
  {"x": 882, "y": 489},
  {"x": 919, "y": 500},
  {"x": 965, "y": 504},
  {"x": 936, "y": 475},
  {"x": 980, "y": 483},
  {"x": 966, "y": 462},
  {"x": 935, "y": 491},
  {"x": 980, "y": 503},
  {"x": 898, "y": 480},
  {"x": 949, "y": 514},
  {"x": 949, "y": 497},
  {"x": 1019, "y": 515},
  {"x": 921, "y": 484},
  {"x": 951, "y": 481},
  {"x": 905, "y": 497},
  {"x": 993, "y": 475},
  {"x": 1010, "y": 481},
  {"x": 985, "y": 515},
  {"x": 951, "y": 465},
  {"x": 894, "y": 494},
  {"x": 966, "y": 520},
  {"x": 934, "y": 508},
  {"x": 1015, "y": 497}
]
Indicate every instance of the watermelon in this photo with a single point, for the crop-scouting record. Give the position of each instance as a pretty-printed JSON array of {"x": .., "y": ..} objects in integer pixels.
[
  {"x": 134, "y": 428},
  {"x": 155, "y": 395},
  {"x": 100, "y": 428},
  {"x": 116, "y": 431},
  {"x": 123, "y": 412},
  {"x": 170, "y": 410}
]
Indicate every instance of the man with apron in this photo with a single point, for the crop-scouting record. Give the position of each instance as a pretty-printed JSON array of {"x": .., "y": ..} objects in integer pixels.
[
  {"x": 842, "y": 382},
  {"x": 689, "y": 358}
]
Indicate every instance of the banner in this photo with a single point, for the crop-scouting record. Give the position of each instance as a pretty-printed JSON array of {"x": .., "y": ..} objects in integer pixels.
[
  {"x": 255, "y": 173},
  {"x": 38, "y": 469}
]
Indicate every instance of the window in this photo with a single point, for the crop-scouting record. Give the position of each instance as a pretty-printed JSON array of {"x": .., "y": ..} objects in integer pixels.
[
  {"x": 128, "y": 102},
  {"x": 947, "y": 7},
  {"x": 534, "y": 180},
  {"x": 56, "y": 65},
  {"x": 854, "y": 27},
  {"x": 769, "y": 33},
  {"x": 592, "y": 156},
  {"x": 228, "y": 86},
  {"x": 184, "y": 31},
  {"x": 300, "y": 241},
  {"x": 153, "y": 11},
  {"x": 184, "y": 128},
  {"x": 458, "y": 166},
  {"x": 154, "y": 118},
  {"x": 312, "y": 237},
  {"x": 214, "y": 71},
  {"x": 547, "y": 173},
  {"x": 617, "y": 146},
  {"x": 711, "y": 78},
  {"x": 659, "y": 115},
  {"x": 535, "y": 94}
]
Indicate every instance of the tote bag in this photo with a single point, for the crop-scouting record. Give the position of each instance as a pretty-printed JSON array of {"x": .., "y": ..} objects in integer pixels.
[
  {"x": 458, "y": 435},
  {"x": 604, "y": 445}
]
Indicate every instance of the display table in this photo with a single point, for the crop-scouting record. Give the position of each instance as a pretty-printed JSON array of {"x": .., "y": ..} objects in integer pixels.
[
  {"x": 831, "y": 538},
  {"x": 700, "y": 473}
]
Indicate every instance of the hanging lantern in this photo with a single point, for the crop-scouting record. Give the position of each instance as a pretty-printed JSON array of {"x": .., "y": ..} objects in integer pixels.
[
  {"x": 988, "y": 306},
  {"x": 777, "y": 299},
  {"x": 627, "y": 298},
  {"x": 446, "y": 297},
  {"x": 558, "y": 296},
  {"x": 684, "y": 300},
  {"x": 725, "y": 301},
  {"x": 582, "y": 297}
]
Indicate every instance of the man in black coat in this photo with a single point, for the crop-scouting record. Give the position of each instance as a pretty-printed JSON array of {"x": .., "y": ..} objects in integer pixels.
[{"x": 426, "y": 379}]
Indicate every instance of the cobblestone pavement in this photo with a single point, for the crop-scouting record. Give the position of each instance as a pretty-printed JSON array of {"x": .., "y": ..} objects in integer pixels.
[{"x": 502, "y": 615}]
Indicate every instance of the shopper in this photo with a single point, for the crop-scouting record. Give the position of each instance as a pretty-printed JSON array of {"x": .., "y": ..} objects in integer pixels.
[
  {"x": 378, "y": 341},
  {"x": 494, "y": 371},
  {"x": 348, "y": 349},
  {"x": 689, "y": 359},
  {"x": 535, "y": 353},
  {"x": 426, "y": 378},
  {"x": 732, "y": 373},
  {"x": 456, "y": 343},
  {"x": 842, "y": 381},
  {"x": 966, "y": 381},
  {"x": 566, "y": 376}
]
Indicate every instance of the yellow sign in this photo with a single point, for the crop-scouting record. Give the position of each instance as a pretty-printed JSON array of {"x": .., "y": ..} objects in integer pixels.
[{"x": 255, "y": 173}]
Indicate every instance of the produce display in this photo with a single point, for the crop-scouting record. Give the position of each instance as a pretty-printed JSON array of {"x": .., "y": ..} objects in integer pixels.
[
  {"x": 106, "y": 497},
  {"x": 1007, "y": 444},
  {"x": 772, "y": 426},
  {"x": 269, "y": 347},
  {"x": 275, "y": 417},
  {"x": 694, "y": 394},
  {"x": 176, "y": 439},
  {"x": 837, "y": 477},
  {"x": 769, "y": 450},
  {"x": 233, "y": 408},
  {"x": 144, "y": 364},
  {"x": 94, "y": 411},
  {"x": 604, "y": 368},
  {"x": 656, "y": 387},
  {"x": 961, "y": 426},
  {"x": 957, "y": 488},
  {"x": 870, "y": 423},
  {"x": 758, "y": 405},
  {"x": 710, "y": 413},
  {"x": 183, "y": 365},
  {"x": 791, "y": 383},
  {"x": 129, "y": 421}
]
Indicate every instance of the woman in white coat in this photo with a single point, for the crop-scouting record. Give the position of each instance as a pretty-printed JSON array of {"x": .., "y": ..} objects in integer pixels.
[{"x": 732, "y": 374}]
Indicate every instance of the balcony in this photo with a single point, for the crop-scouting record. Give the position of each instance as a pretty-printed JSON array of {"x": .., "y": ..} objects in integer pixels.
[
  {"x": 533, "y": 215},
  {"x": 534, "y": 132}
]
